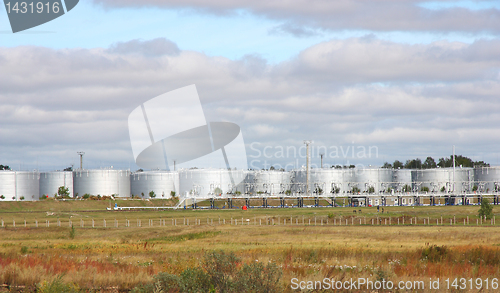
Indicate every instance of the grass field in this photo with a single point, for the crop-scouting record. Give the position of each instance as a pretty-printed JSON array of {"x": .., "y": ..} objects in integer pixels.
[{"x": 308, "y": 244}]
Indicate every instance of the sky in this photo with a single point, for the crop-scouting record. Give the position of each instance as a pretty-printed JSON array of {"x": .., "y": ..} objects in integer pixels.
[{"x": 366, "y": 81}]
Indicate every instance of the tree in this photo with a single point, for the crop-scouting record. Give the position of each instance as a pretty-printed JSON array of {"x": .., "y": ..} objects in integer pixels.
[
  {"x": 413, "y": 164},
  {"x": 481, "y": 164},
  {"x": 152, "y": 194},
  {"x": 460, "y": 161},
  {"x": 63, "y": 191},
  {"x": 4, "y": 167},
  {"x": 406, "y": 188},
  {"x": 429, "y": 163},
  {"x": 68, "y": 169},
  {"x": 397, "y": 165},
  {"x": 387, "y": 165},
  {"x": 486, "y": 209}
]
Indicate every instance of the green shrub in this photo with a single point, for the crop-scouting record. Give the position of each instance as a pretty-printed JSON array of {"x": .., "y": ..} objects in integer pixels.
[
  {"x": 168, "y": 283},
  {"x": 218, "y": 273},
  {"x": 257, "y": 278},
  {"x": 195, "y": 280},
  {"x": 486, "y": 209},
  {"x": 56, "y": 286},
  {"x": 434, "y": 253},
  {"x": 220, "y": 267}
]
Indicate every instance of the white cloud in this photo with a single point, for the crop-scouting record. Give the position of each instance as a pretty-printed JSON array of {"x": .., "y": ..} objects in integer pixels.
[
  {"x": 301, "y": 15},
  {"x": 407, "y": 99}
]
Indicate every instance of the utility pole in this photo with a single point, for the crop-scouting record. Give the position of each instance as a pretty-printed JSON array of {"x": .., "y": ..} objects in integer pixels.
[
  {"x": 307, "y": 143},
  {"x": 453, "y": 190},
  {"x": 81, "y": 159},
  {"x": 321, "y": 156}
]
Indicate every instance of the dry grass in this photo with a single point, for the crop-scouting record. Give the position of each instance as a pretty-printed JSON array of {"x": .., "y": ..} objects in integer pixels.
[{"x": 121, "y": 258}]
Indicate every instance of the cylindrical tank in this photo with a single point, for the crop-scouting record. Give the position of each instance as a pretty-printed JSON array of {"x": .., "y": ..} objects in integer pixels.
[
  {"x": 162, "y": 183},
  {"x": 402, "y": 178},
  {"x": 19, "y": 185},
  {"x": 374, "y": 180},
  {"x": 7, "y": 185},
  {"x": 487, "y": 179},
  {"x": 321, "y": 181},
  {"x": 51, "y": 181},
  {"x": 464, "y": 179},
  {"x": 329, "y": 182},
  {"x": 247, "y": 186},
  {"x": 436, "y": 180},
  {"x": 207, "y": 183},
  {"x": 102, "y": 182},
  {"x": 272, "y": 182}
]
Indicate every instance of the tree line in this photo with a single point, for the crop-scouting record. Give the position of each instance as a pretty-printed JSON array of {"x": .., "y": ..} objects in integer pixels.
[{"x": 430, "y": 163}]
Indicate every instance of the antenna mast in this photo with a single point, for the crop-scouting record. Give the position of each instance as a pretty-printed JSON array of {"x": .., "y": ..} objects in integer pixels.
[
  {"x": 307, "y": 143},
  {"x": 81, "y": 159}
]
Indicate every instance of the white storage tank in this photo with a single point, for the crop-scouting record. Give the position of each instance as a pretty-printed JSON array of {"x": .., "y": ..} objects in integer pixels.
[
  {"x": 464, "y": 179},
  {"x": 208, "y": 183},
  {"x": 402, "y": 178},
  {"x": 376, "y": 180},
  {"x": 329, "y": 181},
  {"x": 272, "y": 182},
  {"x": 19, "y": 185},
  {"x": 487, "y": 179},
  {"x": 51, "y": 181},
  {"x": 162, "y": 183},
  {"x": 102, "y": 182},
  {"x": 437, "y": 180},
  {"x": 247, "y": 186}
]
